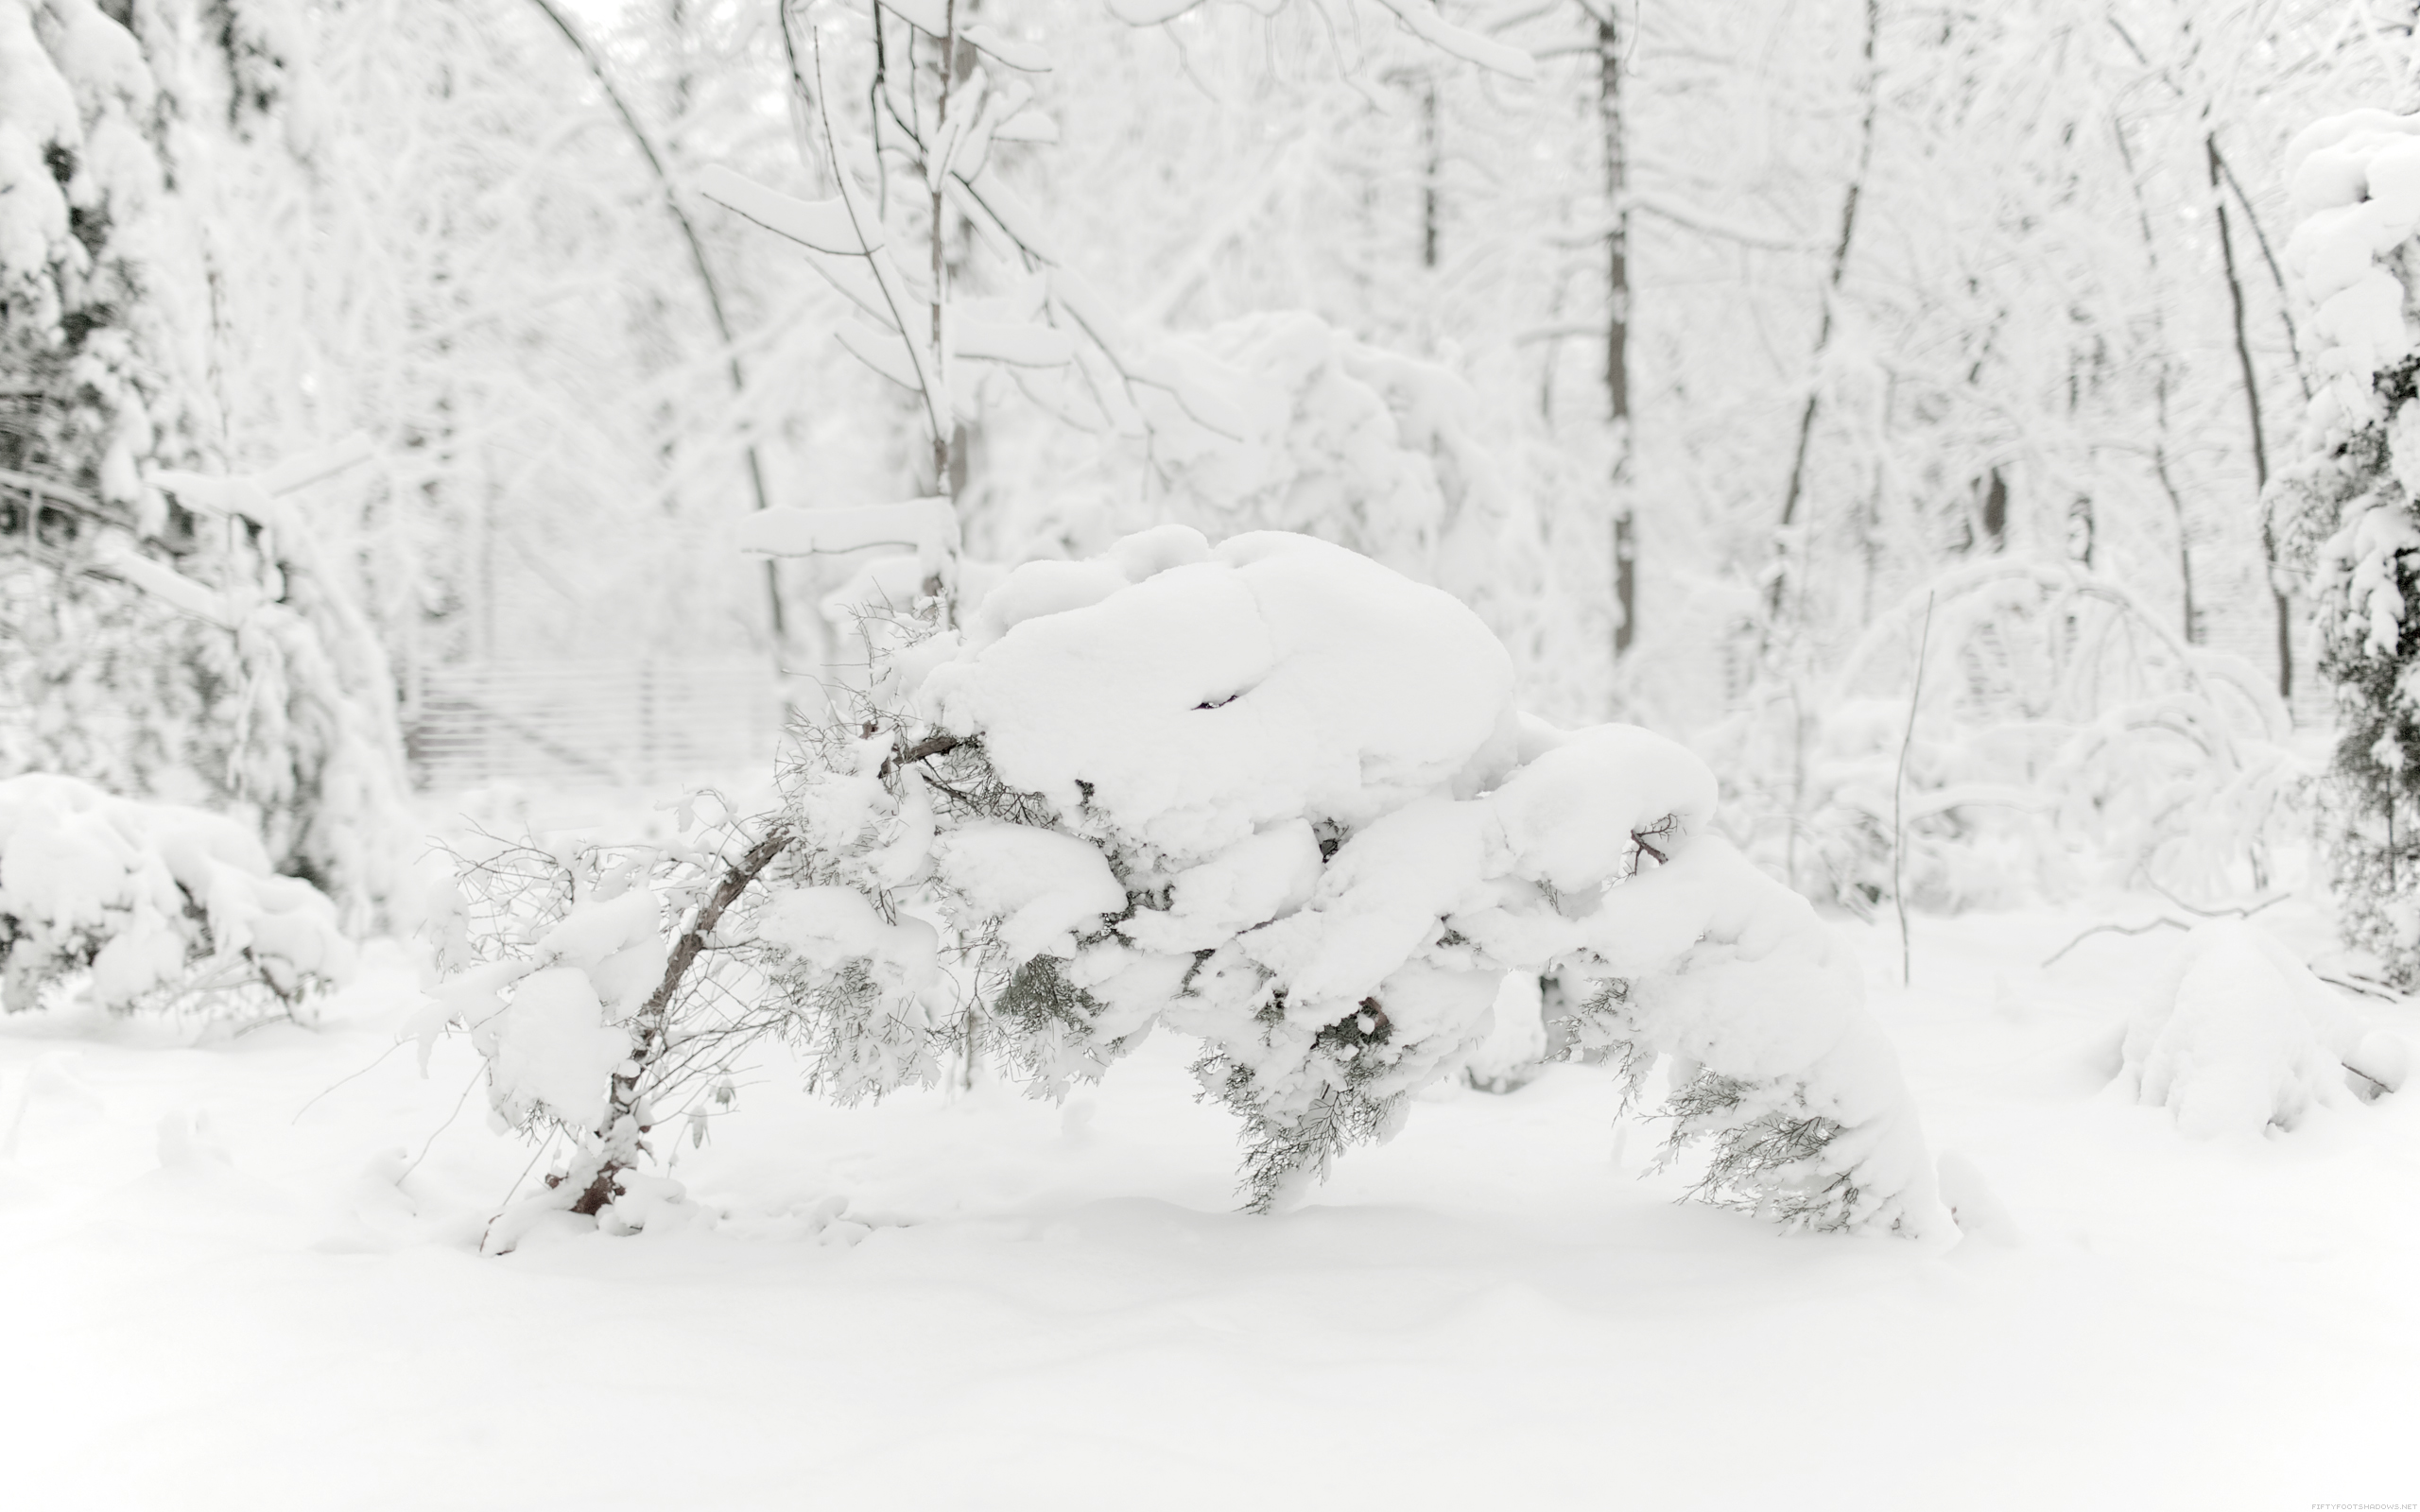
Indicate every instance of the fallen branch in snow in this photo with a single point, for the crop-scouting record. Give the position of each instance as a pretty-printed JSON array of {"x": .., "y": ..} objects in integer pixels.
[
  {"x": 2246, "y": 911},
  {"x": 2052, "y": 958}
]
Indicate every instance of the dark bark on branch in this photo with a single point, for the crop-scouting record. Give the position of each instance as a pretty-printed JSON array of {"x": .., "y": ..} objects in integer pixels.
[
  {"x": 2276, "y": 274},
  {"x": 653, "y": 1017},
  {"x": 929, "y": 747}
]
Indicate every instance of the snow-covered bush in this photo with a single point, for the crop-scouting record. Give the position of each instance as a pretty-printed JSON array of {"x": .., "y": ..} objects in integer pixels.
[
  {"x": 2244, "y": 1036},
  {"x": 2349, "y": 514},
  {"x": 1270, "y": 794},
  {"x": 150, "y": 903},
  {"x": 2063, "y": 736}
]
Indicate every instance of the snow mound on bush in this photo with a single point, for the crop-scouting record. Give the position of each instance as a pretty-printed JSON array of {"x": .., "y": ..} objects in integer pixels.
[
  {"x": 2356, "y": 184},
  {"x": 1311, "y": 828},
  {"x": 2246, "y": 1037},
  {"x": 1222, "y": 690},
  {"x": 146, "y": 898}
]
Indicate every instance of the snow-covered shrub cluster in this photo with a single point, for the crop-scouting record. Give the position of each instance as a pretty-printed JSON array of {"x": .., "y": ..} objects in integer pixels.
[
  {"x": 2348, "y": 515},
  {"x": 2063, "y": 736},
  {"x": 2244, "y": 1036},
  {"x": 1270, "y": 794},
  {"x": 150, "y": 904}
]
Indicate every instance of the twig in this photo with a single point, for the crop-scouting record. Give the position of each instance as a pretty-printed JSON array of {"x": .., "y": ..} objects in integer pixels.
[
  {"x": 2113, "y": 929},
  {"x": 2241, "y": 911},
  {"x": 1899, "y": 798},
  {"x": 2367, "y": 990}
]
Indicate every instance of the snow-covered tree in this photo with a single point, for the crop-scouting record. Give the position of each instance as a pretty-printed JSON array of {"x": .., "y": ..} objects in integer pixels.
[
  {"x": 172, "y": 637},
  {"x": 2348, "y": 513}
]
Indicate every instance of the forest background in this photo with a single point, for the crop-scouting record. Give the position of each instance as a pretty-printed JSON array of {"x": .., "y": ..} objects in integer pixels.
[{"x": 1693, "y": 361}]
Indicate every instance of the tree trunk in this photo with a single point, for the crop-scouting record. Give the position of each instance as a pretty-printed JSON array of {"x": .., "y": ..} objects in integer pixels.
[
  {"x": 1625, "y": 532},
  {"x": 1831, "y": 290},
  {"x": 2252, "y": 405}
]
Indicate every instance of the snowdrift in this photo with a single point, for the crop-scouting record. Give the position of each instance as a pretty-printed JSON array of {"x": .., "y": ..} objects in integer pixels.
[{"x": 2245, "y": 1036}]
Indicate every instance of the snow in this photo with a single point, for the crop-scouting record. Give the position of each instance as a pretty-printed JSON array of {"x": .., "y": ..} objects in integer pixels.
[
  {"x": 1016, "y": 345},
  {"x": 552, "y": 1046},
  {"x": 2355, "y": 183},
  {"x": 148, "y": 894},
  {"x": 825, "y": 225},
  {"x": 1046, "y": 889},
  {"x": 1280, "y": 678},
  {"x": 1569, "y": 812},
  {"x": 1264, "y": 876},
  {"x": 268, "y": 1273},
  {"x": 37, "y": 109},
  {"x": 826, "y": 927},
  {"x": 2246, "y": 1037},
  {"x": 1303, "y": 771},
  {"x": 1516, "y": 1035}
]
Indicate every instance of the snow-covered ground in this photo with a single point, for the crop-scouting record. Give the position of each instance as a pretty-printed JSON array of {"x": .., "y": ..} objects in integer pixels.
[{"x": 240, "y": 1271}]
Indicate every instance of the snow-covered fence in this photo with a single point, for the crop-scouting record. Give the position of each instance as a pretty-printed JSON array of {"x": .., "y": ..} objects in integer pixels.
[{"x": 617, "y": 722}]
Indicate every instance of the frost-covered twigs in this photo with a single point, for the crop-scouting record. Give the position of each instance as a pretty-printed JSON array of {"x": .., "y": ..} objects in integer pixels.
[
  {"x": 151, "y": 905},
  {"x": 2065, "y": 730},
  {"x": 707, "y": 283},
  {"x": 648, "y": 1029},
  {"x": 593, "y": 1024}
]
